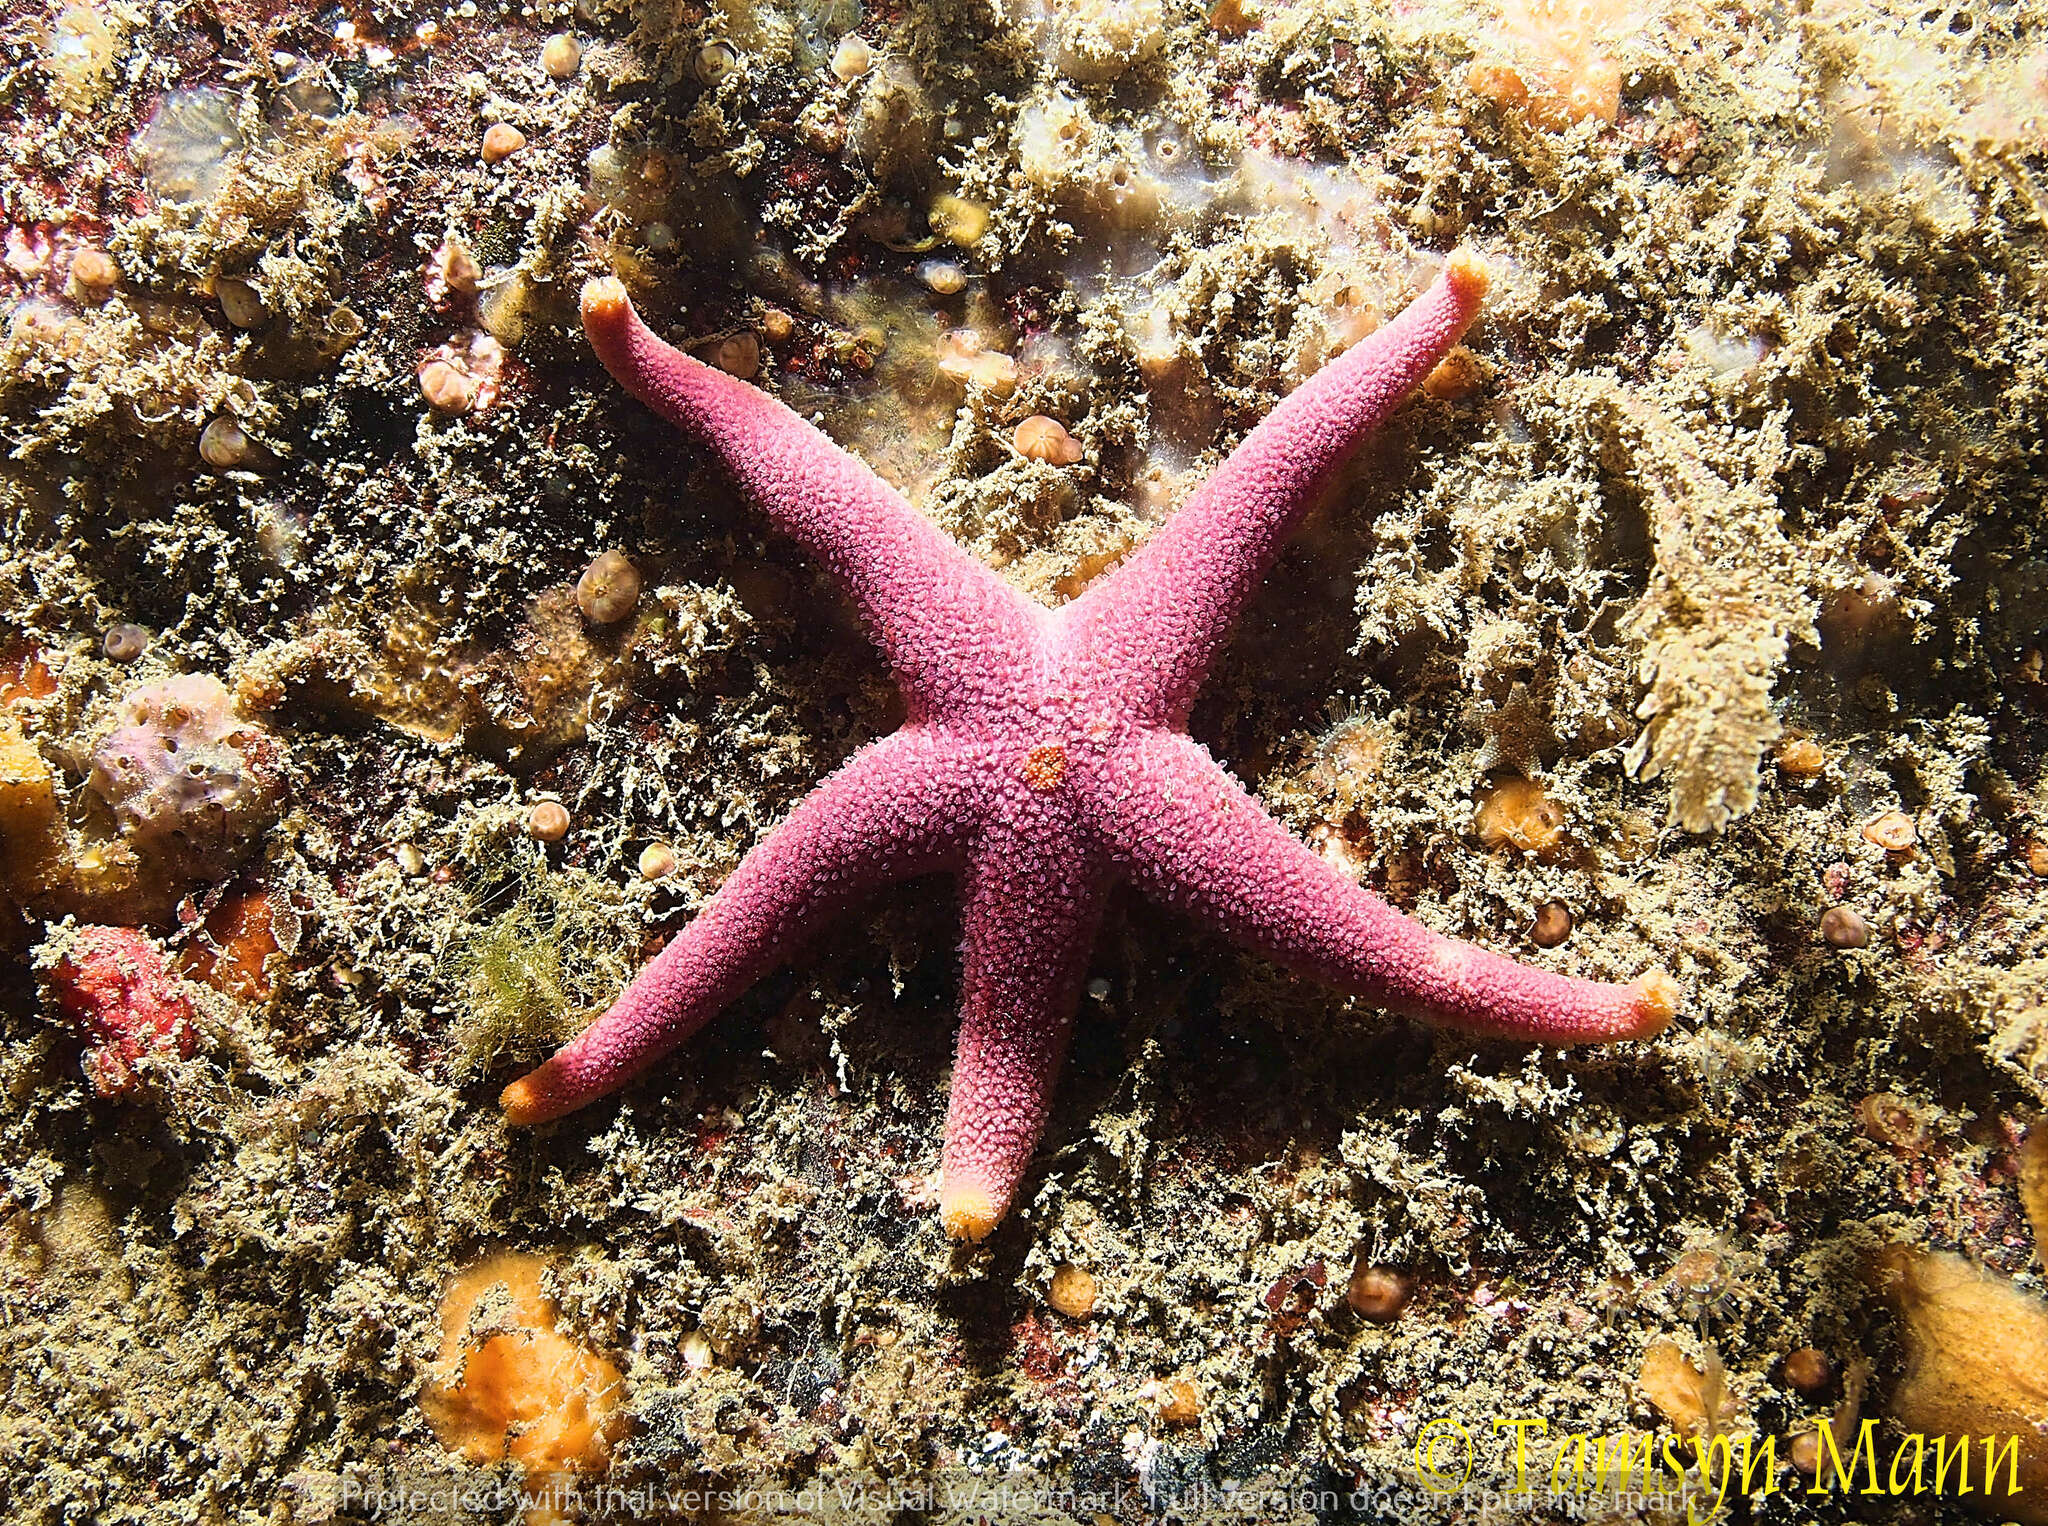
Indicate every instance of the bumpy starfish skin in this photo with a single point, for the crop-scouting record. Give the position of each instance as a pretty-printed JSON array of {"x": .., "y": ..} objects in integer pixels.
[{"x": 1044, "y": 757}]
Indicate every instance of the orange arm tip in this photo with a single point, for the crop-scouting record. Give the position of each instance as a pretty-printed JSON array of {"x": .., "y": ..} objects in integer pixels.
[
  {"x": 968, "y": 1212},
  {"x": 524, "y": 1104},
  {"x": 1465, "y": 271},
  {"x": 605, "y": 300},
  {"x": 1658, "y": 998}
]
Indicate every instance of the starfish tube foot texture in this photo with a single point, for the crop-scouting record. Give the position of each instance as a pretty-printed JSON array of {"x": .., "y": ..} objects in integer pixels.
[{"x": 1044, "y": 758}]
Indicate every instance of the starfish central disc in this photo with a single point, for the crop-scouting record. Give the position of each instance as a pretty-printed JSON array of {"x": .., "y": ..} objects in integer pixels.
[{"x": 1044, "y": 766}]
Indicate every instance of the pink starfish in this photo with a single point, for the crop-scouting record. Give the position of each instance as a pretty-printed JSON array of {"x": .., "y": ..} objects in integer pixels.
[{"x": 1044, "y": 757}]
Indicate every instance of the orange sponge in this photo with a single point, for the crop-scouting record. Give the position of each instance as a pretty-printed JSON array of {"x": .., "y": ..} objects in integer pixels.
[{"x": 507, "y": 1384}]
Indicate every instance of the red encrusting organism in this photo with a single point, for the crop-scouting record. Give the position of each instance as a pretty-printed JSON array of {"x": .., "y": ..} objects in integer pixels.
[{"x": 121, "y": 992}]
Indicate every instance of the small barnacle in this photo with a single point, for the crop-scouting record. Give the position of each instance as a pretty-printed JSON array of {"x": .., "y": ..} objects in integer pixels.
[
  {"x": 608, "y": 589},
  {"x": 1073, "y": 1291},
  {"x": 501, "y": 141},
  {"x": 1052, "y": 137},
  {"x": 548, "y": 821},
  {"x": 1891, "y": 1120},
  {"x": 93, "y": 273},
  {"x": 1378, "y": 1293},
  {"x": 852, "y": 58},
  {"x": 124, "y": 642},
  {"x": 1552, "y": 926},
  {"x": 561, "y": 55},
  {"x": 1801, "y": 758},
  {"x": 736, "y": 354},
  {"x": 714, "y": 61},
  {"x": 1807, "y": 1371},
  {"x": 1844, "y": 927},
  {"x": 1892, "y": 831},
  {"x": 341, "y": 328},
  {"x": 1045, "y": 439},
  {"x": 223, "y": 445},
  {"x": 1517, "y": 812},
  {"x": 1678, "y": 144},
  {"x": 943, "y": 277},
  {"x": 240, "y": 303}
]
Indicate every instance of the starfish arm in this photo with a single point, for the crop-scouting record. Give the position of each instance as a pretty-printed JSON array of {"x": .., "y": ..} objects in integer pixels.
[
  {"x": 900, "y": 807},
  {"x": 1191, "y": 835},
  {"x": 1160, "y": 620},
  {"x": 1030, "y": 914},
  {"x": 949, "y": 627}
]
